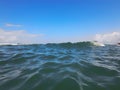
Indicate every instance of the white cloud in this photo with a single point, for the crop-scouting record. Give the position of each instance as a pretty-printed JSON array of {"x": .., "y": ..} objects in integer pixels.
[
  {"x": 12, "y": 25},
  {"x": 18, "y": 36},
  {"x": 109, "y": 38}
]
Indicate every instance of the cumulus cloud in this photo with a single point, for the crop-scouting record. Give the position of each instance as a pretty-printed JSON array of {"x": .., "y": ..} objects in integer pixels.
[
  {"x": 12, "y": 25},
  {"x": 109, "y": 38},
  {"x": 18, "y": 36}
]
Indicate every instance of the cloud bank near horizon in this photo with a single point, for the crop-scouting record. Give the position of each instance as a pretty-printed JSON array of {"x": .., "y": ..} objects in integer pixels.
[
  {"x": 109, "y": 38},
  {"x": 23, "y": 37},
  {"x": 18, "y": 36}
]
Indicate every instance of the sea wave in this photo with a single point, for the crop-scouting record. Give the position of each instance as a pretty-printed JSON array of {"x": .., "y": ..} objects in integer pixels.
[{"x": 65, "y": 66}]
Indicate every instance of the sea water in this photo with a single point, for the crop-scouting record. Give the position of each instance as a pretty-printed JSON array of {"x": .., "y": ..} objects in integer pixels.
[{"x": 65, "y": 66}]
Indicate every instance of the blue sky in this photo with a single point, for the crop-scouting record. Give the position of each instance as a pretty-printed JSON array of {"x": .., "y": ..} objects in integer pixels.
[{"x": 61, "y": 20}]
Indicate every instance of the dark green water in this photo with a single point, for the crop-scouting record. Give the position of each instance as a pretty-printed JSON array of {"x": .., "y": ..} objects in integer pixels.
[{"x": 79, "y": 66}]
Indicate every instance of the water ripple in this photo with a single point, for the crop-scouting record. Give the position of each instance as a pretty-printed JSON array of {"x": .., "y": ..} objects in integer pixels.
[{"x": 59, "y": 67}]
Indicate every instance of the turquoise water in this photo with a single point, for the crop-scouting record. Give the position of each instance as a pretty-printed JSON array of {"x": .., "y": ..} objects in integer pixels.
[{"x": 66, "y": 66}]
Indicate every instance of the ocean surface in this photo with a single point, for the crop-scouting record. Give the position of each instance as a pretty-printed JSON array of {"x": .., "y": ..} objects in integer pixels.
[{"x": 65, "y": 66}]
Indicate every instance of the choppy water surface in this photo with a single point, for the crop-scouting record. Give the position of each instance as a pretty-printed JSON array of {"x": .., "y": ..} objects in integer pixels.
[{"x": 59, "y": 67}]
